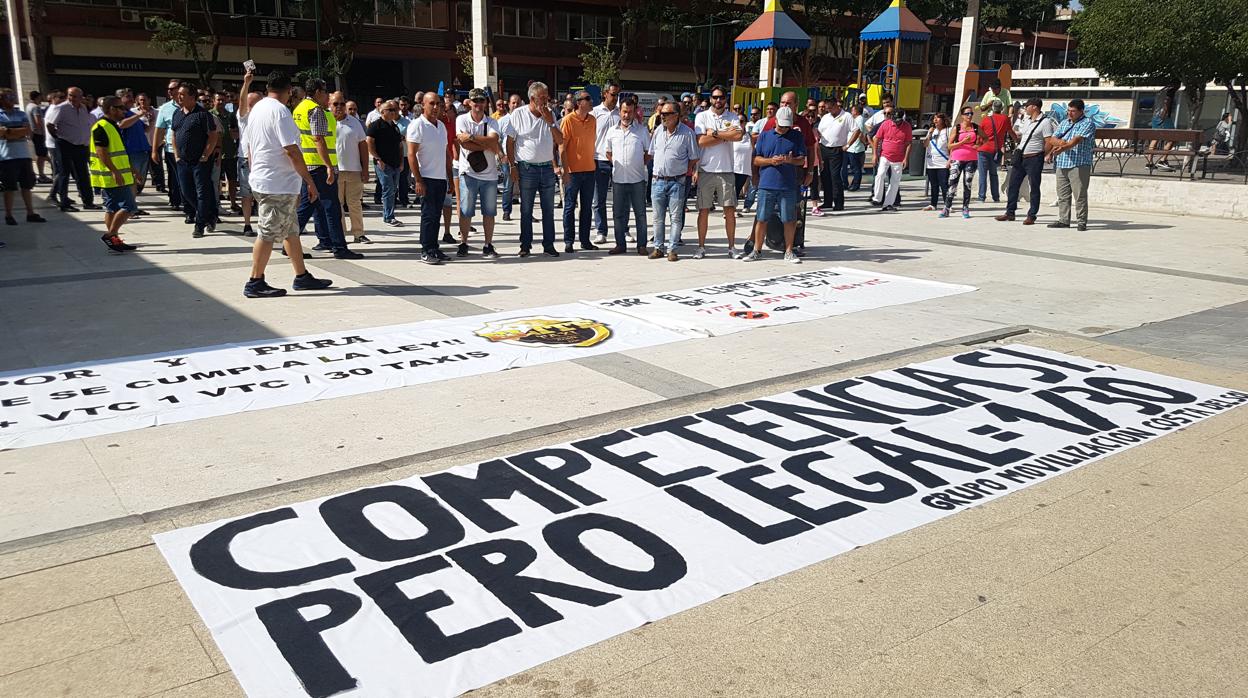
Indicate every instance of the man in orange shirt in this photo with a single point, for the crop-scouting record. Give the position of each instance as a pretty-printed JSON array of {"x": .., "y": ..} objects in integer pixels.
[{"x": 576, "y": 171}]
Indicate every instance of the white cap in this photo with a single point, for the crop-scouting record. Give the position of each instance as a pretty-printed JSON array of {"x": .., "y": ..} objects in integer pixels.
[{"x": 784, "y": 116}]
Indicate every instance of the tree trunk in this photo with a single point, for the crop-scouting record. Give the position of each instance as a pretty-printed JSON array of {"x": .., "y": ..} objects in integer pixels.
[
  {"x": 1195, "y": 94},
  {"x": 1239, "y": 96}
]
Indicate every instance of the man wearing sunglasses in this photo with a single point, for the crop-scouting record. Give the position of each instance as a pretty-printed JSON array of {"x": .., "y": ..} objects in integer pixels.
[
  {"x": 352, "y": 148},
  {"x": 477, "y": 135},
  {"x": 674, "y": 153},
  {"x": 606, "y": 117},
  {"x": 717, "y": 129}
]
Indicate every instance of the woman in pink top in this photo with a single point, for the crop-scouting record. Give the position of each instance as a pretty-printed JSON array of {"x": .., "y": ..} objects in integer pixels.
[{"x": 963, "y": 157}]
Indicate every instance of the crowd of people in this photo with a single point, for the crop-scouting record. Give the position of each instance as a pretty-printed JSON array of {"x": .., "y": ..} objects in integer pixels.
[{"x": 298, "y": 154}]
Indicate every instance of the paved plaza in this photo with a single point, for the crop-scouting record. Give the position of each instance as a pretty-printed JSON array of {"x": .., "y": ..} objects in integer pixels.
[{"x": 1126, "y": 577}]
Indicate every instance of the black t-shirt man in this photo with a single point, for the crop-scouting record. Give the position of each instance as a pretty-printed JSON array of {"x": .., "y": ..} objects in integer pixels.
[
  {"x": 388, "y": 142},
  {"x": 190, "y": 132}
]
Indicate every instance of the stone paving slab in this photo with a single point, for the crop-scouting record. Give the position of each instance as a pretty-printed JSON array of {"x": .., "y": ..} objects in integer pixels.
[
  {"x": 1124, "y": 577},
  {"x": 1217, "y": 336}
]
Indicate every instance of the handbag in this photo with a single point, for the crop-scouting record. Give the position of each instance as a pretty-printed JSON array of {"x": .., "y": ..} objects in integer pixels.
[
  {"x": 1017, "y": 159},
  {"x": 476, "y": 158}
]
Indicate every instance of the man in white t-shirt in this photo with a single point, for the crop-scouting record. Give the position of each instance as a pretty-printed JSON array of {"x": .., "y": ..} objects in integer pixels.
[
  {"x": 430, "y": 163},
  {"x": 352, "y": 146},
  {"x": 606, "y": 117},
  {"x": 277, "y": 171},
  {"x": 717, "y": 129},
  {"x": 627, "y": 146},
  {"x": 532, "y": 136},
  {"x": 477, "y": 135}
]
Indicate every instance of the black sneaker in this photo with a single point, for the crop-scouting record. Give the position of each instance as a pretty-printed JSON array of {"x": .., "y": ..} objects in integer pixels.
[
  {"x": 318, "y": 247},
  {"x": 113, "y": 243},
  {"x": 462, "y": 250},
  {"x": 35, "y": 218},
  {"x": 189, "y": 220},
  {"x": 394, "y": 223},
  {"x": 442, "y": 255},
  {"x": 589, "y": 246},
  {"x": 258, "y": 288},
  {"x": 127, "y": 246},
  {"x": 447, "y": 239},
  {"x": 568, "y": 248},
  {"x": 1059, "y": 224},
  {"x": 344, "y": 253},
  {"x": 138, "y": 212},
  {"x": 489, "y": 252},
  {"x": 10, "y": 220},
  {"x": 430, "y": 258},
  {"x": 211, "y": 227},
  {"x": 68, "y": 208},
  {"x": 307, "y": 282},
  {"x": 93, "y": 207},
  {"x": 198, "y": 233},
  {"x": 524, "y": 252},
  {"x": 550, "y": 252},
  {"x": 248, "y": 231}
]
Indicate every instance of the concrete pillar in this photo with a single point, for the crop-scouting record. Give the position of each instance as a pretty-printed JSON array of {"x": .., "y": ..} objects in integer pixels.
[
  {"x": 482, "y": 67},
  {"x": 966, "y": 51},
  {"x": 24, "y": 55}
]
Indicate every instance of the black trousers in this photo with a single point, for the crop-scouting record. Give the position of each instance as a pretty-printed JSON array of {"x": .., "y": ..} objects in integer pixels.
[
  {"x": 72, "y": 160},
  {"x": 830, "y": 174}
]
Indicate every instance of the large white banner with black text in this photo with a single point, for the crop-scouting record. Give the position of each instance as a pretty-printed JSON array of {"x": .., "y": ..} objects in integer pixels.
[
  {"x": 444, "y": 582},
  {"x": 89, "y": 399},
  {"x": 57, "y": 403},
  {"x": 735, "y": 306}
]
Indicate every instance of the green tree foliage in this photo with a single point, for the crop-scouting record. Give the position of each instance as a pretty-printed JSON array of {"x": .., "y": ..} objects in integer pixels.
[
  {"x": 352, "y": 16},
  {"x": 195, "y": 40},
  {"x": 1187, "y": 42},
  {"x": 599, "y": 64}
]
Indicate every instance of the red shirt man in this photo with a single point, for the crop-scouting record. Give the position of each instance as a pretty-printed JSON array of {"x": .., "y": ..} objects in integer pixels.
[{"x": 994, "y": 129}]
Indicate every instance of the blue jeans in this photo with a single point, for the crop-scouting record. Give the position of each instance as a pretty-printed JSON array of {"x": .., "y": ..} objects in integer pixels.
[
  {"x": 325, "y": 212},
  {"x": 388, "y": 185},
  {"x": 431, "y": 213},
  {"x": 580, "y": 189},
  {"x": 198, "y": 200},
  {"x": 987, "y": 174},
  {"x": 602, "y": 180},
  {"x": 537, "y": 181},
  {"x": 1030, "y": 170},
  {"x": 508, "y": 191},
  {"x": 623, "y": 198},
  {"x": 853, "y": 165},
  {"x": 668, "y": 197},
  {"x": 471, "y": 189},
  {"x": 781, "y": 203}
]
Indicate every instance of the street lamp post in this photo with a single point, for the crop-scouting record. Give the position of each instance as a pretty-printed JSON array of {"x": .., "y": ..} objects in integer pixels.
[
  {"x": 710, "y": 25},
  {"x": 246, "y": 33}
]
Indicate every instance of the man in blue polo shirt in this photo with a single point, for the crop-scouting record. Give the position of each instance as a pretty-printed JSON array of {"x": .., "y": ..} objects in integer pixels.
[
  {"x": 1071, "y": 151},
  {"x": 778, "y": 153}
]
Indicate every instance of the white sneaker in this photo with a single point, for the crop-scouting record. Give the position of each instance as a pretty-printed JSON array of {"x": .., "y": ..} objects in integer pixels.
[
  {"x": 600, "y": 239},
  {"x": 751, "y": 257},
  {"x": 700, "y": 253},
  {"x": 792, "y": 258},
  {"x": 733, "y": 254}
]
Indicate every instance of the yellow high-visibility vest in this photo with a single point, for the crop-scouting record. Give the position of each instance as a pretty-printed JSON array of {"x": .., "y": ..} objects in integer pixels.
[
  {"x": 101, "y": 177},
  {"x": 307, "y": 144}
]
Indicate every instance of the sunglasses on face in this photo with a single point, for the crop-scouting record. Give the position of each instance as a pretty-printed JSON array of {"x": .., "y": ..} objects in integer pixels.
[
  {"x": 667, "y": 113},
  {"x": 717, "y": 96},
  {"x": 336, "y": 104}
]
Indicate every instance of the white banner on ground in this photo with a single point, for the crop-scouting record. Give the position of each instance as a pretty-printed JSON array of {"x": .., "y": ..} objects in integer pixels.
[
  {"x": 90, "y": 399},
  {"x": 734, "y": 306},
  {"x": 445, "y": 582}
]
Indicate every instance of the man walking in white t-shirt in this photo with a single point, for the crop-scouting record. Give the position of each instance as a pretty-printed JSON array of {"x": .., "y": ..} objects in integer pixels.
[
  {"x": 277, "y": 171},
  {"x": 352, "y": 148}
]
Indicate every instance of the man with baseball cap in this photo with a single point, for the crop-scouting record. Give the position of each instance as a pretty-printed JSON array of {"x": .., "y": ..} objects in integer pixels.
[{"x": 778, "y": 154}]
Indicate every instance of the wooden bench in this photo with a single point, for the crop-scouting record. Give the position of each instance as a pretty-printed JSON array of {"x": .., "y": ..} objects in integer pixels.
[
  {"x": 1117, "y": 144},
  {"x": 1184, "y": 144},
  {"x": 1123, "y": 144}
]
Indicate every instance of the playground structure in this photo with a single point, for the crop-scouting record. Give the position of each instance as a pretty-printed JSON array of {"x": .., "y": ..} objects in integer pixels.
[
  {"x": 771, "y": 31},
  {"x": 894, "y": 25}
]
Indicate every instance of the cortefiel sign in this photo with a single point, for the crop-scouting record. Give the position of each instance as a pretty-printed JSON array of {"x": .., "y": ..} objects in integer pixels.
[{"x": 444, "y": 582}]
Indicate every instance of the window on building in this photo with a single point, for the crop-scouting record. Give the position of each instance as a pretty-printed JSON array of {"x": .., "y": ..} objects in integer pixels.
[
  {"x": 463, "y": 17},
  {"x": 520, "y": 21},
  {"x": 297, "y": 9},
  {"x": 146, "y": 4},
  {"x": 575, "y": 27},
  {"x": 912, "y": 51}
]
